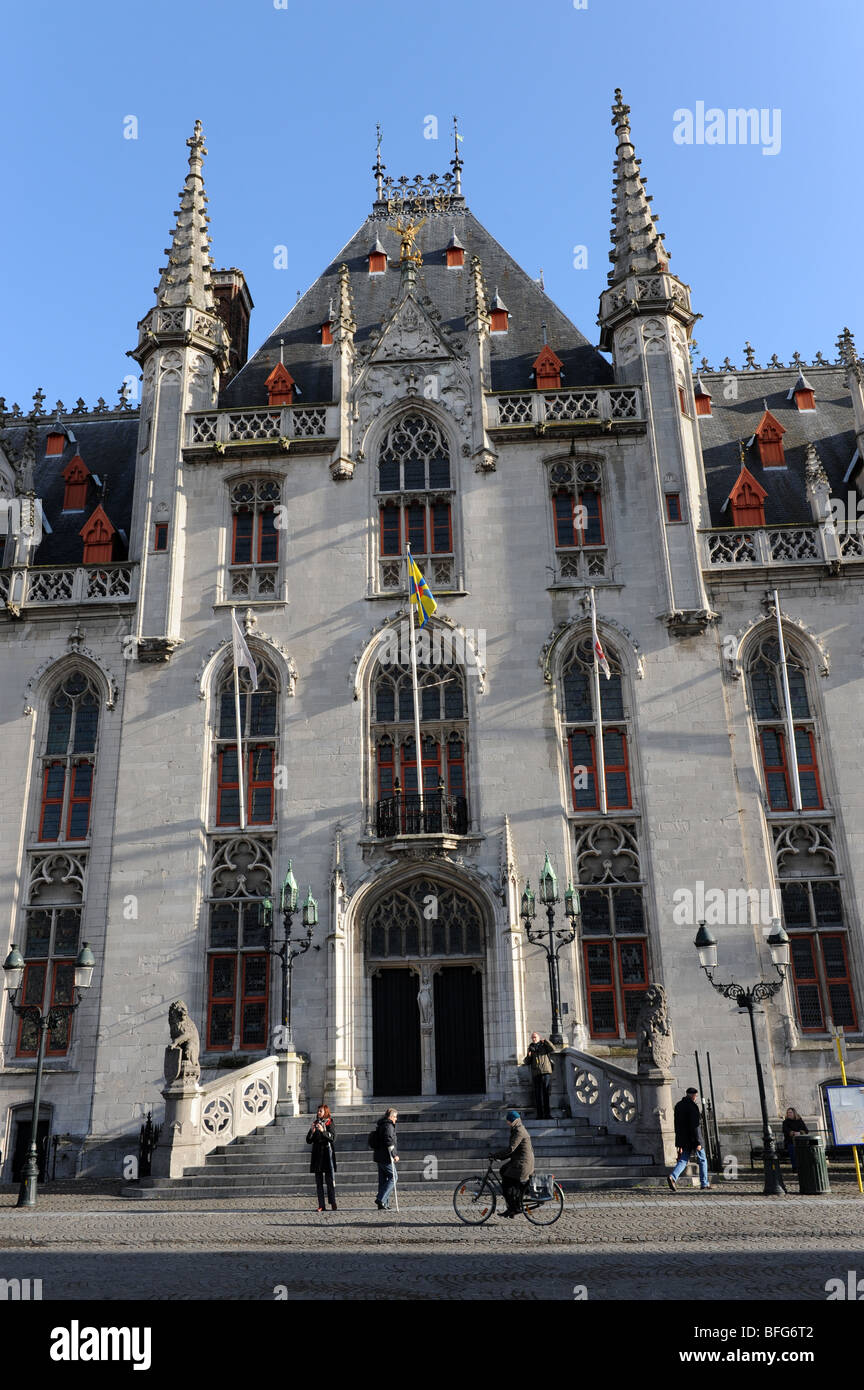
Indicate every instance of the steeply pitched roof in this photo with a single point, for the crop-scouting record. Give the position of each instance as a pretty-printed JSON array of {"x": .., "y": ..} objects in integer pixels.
[
  {"x": 830, "y": 427},
  {"x": 511, "y": 354},
  {"x": 107, "y": 444}
]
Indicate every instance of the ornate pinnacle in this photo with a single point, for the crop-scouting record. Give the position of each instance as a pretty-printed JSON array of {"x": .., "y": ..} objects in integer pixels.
[
  {"x": 620, "y": 112},
  {"x": 378, "y": 168},
  {"x": 796, "y": 361},
  {"x": 750, "y": 356},
  {"x": 478, "y": 305},
  {"x": 849, "y": 356},
  {"x": 456, "y": 161},
  {"x": 38, "y": 398},
  {"x": 344, "y": 321},
  {"x": 637, "y": 245},
  {"x": 814, "y": 474}
]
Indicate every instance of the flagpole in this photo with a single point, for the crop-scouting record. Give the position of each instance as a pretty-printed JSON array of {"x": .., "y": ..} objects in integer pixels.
[
  {"x": 599, "y": 753},
  {"x": 413, "y": 646},
  {"x": 792, "y": 751}
]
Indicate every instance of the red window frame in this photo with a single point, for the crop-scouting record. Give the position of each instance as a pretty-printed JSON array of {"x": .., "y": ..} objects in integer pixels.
[
  {"x": 815, "y": 981},
  {"x": 254, "y": 783},
  {"x": 592, "y": 769},
  {"x": 439, "y": 514},
  {"x": 613, "y": 958},
  {"x": 565, "y": 519},
  {"x": 160, "y": 536},
  {"x": 407, "y": 765},
  {"x": 247, "y": 514},
  {"x": 221, "y": 999},
  {"x": 391, "y": 513},
  {"x": 46, "y": 966},
  {"x": 455, "y": 767},
  {"x": 385, "y": 771},
  {"x": 79, "y": 798},
  {"x": 271, "y": 533},
  {"x": 673, "y": 506},
  {"x": 247, "y": 997},
  {"x": 52, "y": 801},
  {"x": 783, "y": 767},
  {"x": 224, "y": 784},
  {"x": 683, "y": 400}
]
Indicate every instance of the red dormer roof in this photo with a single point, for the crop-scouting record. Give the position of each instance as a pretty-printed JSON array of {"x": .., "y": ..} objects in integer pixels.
[
  {"x": 769, "y": 437},
  {"x": 747, "y": 500},
  {"x": 547, "y": 369},
  {"x": 98, "y": 533},
  {"x": 280, "y": 386}
]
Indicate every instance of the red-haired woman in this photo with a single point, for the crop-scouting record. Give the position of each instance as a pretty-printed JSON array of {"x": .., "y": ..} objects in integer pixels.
[{"x": 322, "y": 1137}]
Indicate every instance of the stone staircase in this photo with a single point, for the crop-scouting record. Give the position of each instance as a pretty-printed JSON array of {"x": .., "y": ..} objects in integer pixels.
[{"x": 440, "y": 1141}]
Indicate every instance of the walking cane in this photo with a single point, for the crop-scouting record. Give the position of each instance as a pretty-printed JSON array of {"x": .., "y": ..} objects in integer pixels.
[{"x": 395, "y": 1180}]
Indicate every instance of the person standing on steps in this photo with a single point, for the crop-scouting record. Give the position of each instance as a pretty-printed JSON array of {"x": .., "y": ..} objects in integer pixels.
[
  {"x": 688, "y": 1140},
  {"x": 539, "y": 1059},
  {"x": 520, "y": 1163},
  {"x": 322, "y": 1137},
  {"x": 386, "y": 1158}
]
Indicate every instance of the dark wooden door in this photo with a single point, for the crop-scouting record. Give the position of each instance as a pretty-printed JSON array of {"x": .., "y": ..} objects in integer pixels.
[
  {"x": 460, "y": 1064},
  {"x": 22, "y": 1148},
  {"x": 395, "y": 1033}
]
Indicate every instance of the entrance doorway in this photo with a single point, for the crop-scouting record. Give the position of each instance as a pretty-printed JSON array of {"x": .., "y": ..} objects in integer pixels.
[
  {"x": 21, "y": 1147},
  {"x": 425, "y": 945}
]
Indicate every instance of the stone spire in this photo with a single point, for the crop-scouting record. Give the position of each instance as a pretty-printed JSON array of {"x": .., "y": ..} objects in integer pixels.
[
  {"x": 477, "y": 315},
  {"x": 637, "y": 246},
  {"x": 186, "y": 277},
  {"x": 344, "y": 316}
]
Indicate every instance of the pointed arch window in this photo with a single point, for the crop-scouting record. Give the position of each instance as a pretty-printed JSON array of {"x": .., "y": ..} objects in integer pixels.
[
  {"x": 585, "y": 724},
  {"x": 764, "y": 673},
  {"x": 238, "y": 964},
  {"x": 52, "y": 937},
  {"x": 69, "y": 760},
  {"x": 581, "y": 550},
  {"x": 415, "y": 498},
  {"x": 253, "y": 567},
  {"x": 259, "y": 720},
  {"x": 612, "y": 926},
  {"x": 444, "y": 739}
]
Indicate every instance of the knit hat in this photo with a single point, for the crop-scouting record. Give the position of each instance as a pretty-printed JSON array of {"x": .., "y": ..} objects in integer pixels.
[{"x": 513, "y": 1115}]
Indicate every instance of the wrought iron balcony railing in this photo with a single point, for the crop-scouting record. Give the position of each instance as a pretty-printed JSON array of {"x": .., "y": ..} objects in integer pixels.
[{"x": 401, "y": 814}]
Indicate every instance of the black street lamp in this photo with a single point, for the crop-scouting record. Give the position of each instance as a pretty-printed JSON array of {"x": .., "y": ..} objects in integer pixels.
[
  {"x": 13, "y": 967},
  {"x": 551, "y": 938},
  {"x": 778, "y": 944},
  {"x": 291, "y": 947}
]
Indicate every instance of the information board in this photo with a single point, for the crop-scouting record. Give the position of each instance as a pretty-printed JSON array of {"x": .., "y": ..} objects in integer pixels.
[{"x": 846, "y": 1108}]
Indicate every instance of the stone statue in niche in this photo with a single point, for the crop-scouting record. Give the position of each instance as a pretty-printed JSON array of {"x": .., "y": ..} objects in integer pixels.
[{"x": 182, "y": 1055}]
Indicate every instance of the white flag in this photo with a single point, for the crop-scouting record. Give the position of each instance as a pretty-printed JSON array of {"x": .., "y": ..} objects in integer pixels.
[
  {"x": 242, "y": 654},
  {"x": 599, "y": 653}
]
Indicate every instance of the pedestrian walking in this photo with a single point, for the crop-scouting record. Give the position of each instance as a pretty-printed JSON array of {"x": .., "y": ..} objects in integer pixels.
[
  {"x": 386, "y": 1157},
  {"x": 519, "y": 1166},
  {"x": 792, "y": 1125},
  {"x": 322, "y": 1162},
  {"x": 688, "y": 1140},
  {"x": 539, "y": 1059}
]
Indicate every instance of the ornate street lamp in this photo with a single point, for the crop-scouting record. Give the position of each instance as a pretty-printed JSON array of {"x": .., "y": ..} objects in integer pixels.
[
  {"x": 778, "y": 944},
  {"x": 550, "y": 937},
  {"x": 13, "y": 968},
  {"x": 291, "y": 946}
]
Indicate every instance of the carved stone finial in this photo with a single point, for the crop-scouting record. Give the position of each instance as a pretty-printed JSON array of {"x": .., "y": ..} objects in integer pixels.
[
  {"x": 814, "y": 474},
  {"x": 182, "y": 1064},
  {"x": 655, "y": 1047},
  {"x": 750, "y": 357},
  {"x": 38, "y": 398}
]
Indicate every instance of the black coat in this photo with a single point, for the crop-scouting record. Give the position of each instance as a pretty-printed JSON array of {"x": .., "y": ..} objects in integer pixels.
[
  {"x": 386, "y": 1141},
  {"x": 323, "y": 1148},
  {"x": 688, "y": 1125},
  {"x": 793, "y": 1127}
]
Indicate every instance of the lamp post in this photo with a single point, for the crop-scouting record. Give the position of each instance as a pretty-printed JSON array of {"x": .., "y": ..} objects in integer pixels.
[
  {"x": 778, "y": 944},
  {"x": 550, "y": 937},
  {"x": 13, "y": 967},
  {"x": 291, "y": 946}
]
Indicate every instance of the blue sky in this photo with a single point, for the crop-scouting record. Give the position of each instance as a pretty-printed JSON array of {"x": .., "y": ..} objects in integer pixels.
[{"x": 289, "y": 98}]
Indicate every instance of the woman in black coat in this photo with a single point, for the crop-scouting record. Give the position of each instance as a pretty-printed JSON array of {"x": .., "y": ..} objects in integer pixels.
[
  {"x": 322, "y": 1137},
  {"x": 792, "y": 1125}
]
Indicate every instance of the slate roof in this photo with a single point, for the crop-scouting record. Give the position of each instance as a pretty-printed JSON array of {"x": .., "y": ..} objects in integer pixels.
[
  {"x": 511, "y": 354},
  {"x": 107, "y": 444},
  {"x": 831, "y": 428}
]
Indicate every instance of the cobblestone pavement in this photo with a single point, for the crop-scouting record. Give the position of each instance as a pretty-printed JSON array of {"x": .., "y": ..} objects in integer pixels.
[{"x": 647, "y": 1246}]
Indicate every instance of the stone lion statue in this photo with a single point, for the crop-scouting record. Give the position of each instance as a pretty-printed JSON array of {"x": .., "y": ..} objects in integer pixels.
[
  {"x": 654, "y": 1032},
  {"x": 182, "y": 1056}
]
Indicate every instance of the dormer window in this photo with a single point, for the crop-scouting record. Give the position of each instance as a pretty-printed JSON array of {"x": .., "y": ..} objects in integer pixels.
[
  {"x": 98, "y": 533},
  {"x": 55, "y": 443},
  {"x": 747, "y": 500},
  {"x": 326, "y": 334},
  {"x": 500, "y": 315},
  {"x": 455, "y": 253},
  {"x": 377, "y": 258},
  {"x": 805, "y": 397},
  {"x": 280, "y": 386},
  {"x": 769, "y": 437},
  {"x": 76, "y": 475},
  {"x": 703, "y": 397},
  {"x": 547, "y": 370}
]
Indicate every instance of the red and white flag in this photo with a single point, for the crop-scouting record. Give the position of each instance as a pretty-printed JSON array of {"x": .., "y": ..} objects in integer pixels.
[{"x": 599, "y": 654}]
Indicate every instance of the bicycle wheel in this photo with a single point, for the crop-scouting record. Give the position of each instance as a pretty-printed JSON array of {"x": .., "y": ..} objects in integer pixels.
[
  {"x": 543, "y": 1211},
  {"x": 474, "y": 1201}
]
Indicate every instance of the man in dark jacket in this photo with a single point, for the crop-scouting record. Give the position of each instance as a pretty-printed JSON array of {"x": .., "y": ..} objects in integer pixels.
[
  {"x": 539, "y": 1060},
  {"x": 688, "y": 1139},
  {"x": 519, "y": 1166},
  {"x": 386, "y": 1157}
]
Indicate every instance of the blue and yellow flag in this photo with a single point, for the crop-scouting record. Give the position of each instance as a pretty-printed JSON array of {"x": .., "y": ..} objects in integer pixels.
[{"x": 421, "y": 594}]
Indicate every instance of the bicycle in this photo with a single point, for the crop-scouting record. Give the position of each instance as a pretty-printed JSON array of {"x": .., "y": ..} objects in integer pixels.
[{"x": 475, "y": 1199}]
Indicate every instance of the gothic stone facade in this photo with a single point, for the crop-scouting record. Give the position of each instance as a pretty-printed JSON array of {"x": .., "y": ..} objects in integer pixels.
[{"x": 426, "y": 390}]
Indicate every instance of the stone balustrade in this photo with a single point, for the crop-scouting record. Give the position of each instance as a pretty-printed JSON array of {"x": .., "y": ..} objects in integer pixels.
[
  {"x": 592, "y": 404},
  {"x": 768, "y": 546},
  {"x": 219, "y": 428},
  {"x": 199, "y": 1118},
  {"x": 636, "y": 1105},
  {"x": 26, "y": 586}
]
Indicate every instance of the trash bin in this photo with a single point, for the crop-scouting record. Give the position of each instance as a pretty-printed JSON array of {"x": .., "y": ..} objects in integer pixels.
[{"x": 812, "y": 1166}]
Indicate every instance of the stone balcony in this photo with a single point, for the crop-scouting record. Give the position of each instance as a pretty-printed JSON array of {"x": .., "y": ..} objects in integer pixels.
[
  {"x": 259, "y": 430},
  {"x": 597, "y": 408},
  {"x": 44, "y": 586},
  {"x": 767, "y": 547}
]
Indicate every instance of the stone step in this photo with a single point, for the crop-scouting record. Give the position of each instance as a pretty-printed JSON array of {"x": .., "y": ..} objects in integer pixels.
[{"x": 423, "y": 1192}]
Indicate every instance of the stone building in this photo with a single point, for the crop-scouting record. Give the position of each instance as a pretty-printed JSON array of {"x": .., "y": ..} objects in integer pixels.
[{"x": 426, "y": 390}]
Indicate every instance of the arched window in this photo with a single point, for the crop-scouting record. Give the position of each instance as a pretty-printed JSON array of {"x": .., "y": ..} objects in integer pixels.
[
  {"x": 443, "y": 731},
  {"x": 767, "y": 702},
  {"x": 259, "y": 727},
  {"x": 612, "y": 927},
  {"x": 583, "y": 723},
  {"x": 238, "y": 973},
  {"x": 401, "y": 924},
  {"x": 52, "y": 939},
  {"x": 577, "y": 512},
  {"x": 69, "y": 760},
  {"x": 415, "y": 502},
  {"x": 254, "y": 556}
]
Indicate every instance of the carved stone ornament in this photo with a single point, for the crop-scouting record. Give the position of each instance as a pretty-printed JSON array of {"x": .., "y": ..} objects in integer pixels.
[
  {"x": 182, "y": 1063},
  {"x": 79, "y": 650},
  {"x": 654, "y": 1032},
  {"x": 410, "y": 335}
]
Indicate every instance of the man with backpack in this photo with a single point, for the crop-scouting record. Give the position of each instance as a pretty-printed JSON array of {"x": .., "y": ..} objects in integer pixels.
[
  {"x": 382, "y": 1140},
  {"x": 539, "y": 1059}
]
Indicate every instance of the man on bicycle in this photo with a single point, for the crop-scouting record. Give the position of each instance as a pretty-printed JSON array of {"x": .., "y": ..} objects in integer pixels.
[{"x": 519, "y": 1166}]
